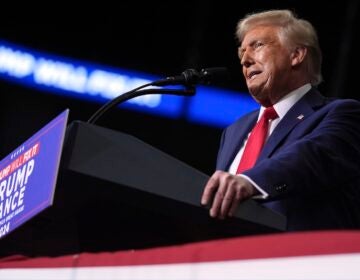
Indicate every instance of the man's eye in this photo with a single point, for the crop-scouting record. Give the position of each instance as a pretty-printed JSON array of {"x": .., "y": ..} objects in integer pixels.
[{"x": 258, "y": 45}]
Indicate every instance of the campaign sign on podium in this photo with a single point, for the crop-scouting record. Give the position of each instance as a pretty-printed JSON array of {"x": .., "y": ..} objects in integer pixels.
[{"x": 28, "y": 175}]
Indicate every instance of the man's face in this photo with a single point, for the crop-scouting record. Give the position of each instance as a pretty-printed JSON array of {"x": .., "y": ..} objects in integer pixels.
[{"x": 266, "y": 64}]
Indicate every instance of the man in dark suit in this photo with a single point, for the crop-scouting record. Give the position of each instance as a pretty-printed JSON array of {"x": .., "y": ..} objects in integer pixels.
[{"x": 300, "y": 153}]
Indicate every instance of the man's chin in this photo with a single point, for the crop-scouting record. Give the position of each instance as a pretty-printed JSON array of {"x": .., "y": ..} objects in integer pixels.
[
  {"x": 255, "y": 92},
  {"x": 260, "y": 97}
]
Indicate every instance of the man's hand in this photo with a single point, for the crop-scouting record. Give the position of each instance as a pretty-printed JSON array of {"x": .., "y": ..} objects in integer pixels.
[{"x": 226, "y": 191}]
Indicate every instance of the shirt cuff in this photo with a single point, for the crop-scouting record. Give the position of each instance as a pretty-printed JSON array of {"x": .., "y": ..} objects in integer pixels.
[{"x": 263, "y": 194}]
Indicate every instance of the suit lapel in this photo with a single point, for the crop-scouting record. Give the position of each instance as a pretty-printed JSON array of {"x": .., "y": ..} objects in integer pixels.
[
  {"x": 235, "y": 138},
  {"x": 300, "y": 111}
]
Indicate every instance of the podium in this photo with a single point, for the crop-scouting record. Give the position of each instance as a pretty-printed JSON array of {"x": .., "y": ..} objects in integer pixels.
[{"x": 116, "y": 192}]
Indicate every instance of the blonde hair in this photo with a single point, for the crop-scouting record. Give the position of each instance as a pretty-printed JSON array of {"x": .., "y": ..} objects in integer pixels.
[{"x": 295, "y": 31}]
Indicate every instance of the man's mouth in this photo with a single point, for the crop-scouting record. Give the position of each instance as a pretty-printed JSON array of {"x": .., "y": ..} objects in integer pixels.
[{"x": 253, "y": 74}]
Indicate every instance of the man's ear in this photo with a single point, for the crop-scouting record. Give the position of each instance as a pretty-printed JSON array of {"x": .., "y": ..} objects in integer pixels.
[{"x": 298, "y": 55}]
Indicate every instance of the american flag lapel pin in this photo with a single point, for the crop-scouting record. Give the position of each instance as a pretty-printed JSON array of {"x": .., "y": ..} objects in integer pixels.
[{"x": 300, "y": 117}]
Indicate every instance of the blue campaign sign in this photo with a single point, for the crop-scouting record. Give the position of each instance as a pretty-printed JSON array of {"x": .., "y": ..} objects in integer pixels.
[{"x": 28, "y": 175}]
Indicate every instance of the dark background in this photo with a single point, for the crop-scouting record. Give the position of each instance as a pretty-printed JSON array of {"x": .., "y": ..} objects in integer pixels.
[{"x": 161, "y": 38}]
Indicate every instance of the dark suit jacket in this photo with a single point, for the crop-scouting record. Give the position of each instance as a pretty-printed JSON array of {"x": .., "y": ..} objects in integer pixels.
[{"x": 310, "y": 165}]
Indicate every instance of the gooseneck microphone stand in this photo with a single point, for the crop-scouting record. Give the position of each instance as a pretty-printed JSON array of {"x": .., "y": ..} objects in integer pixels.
[{"x": 189, "y": 78}]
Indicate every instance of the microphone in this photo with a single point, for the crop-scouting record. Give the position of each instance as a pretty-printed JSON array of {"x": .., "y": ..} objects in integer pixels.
[{"x": 191, "y": 77}]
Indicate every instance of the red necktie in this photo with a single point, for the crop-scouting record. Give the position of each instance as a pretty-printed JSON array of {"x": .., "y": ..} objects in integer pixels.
[{"x": 256, "y": 140}]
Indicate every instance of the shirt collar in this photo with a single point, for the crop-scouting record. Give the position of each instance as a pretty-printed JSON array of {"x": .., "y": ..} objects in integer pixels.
[{"x": 289, "y": 100}]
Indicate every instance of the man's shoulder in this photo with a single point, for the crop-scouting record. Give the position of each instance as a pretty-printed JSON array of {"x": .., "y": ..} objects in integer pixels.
[
  {"x": 340, "y": 111},
  {"x": 342, "y": 104},
  {"x": 325, "y": 103}
]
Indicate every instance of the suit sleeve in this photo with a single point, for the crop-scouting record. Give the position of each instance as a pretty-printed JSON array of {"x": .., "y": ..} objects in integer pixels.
[
  {"x": 221, "y": 146},
  {"x": 326, "y": 158}
]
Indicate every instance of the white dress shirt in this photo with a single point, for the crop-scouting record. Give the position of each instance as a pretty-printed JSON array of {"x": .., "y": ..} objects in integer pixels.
[{"x": 281, "y": 108}]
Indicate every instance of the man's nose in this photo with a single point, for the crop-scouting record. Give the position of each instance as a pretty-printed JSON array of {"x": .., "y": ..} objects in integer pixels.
[{"x": 246, "y": 59}]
